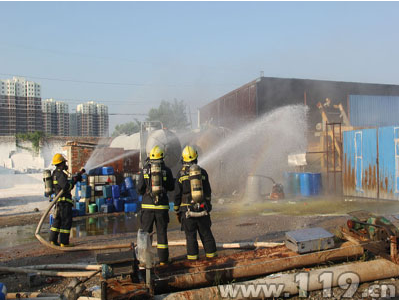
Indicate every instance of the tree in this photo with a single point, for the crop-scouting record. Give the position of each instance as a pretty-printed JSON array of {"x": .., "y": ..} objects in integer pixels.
[
  {"x": 127, "y": 128},
  {"x": 172, "y": 115}
]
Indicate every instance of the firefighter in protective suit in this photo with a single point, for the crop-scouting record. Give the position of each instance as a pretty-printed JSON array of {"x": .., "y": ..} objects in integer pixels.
[
  {"x": 193, "y": 205},
  {"x": 63, "y": 216},
  {"x": 154, "y": 182}
]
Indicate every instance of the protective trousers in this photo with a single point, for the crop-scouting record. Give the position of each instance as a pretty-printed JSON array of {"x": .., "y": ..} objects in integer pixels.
[
  {"x": 203, "y": 226},
  {"x": 62, "y": 223},
  {"x": 161, "y": 219}
]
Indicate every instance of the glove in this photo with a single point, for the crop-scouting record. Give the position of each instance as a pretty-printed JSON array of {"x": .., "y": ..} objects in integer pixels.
[
  {"x": 178, "y": 217},
  {"x": 77, "y": 178},
  {"x": 208, "y": 206}
]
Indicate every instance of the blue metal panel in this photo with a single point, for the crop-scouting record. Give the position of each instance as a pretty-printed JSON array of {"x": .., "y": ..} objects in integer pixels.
[
  {"x": 388, "y": 158},
  {"x": 373, "y": 111},
  {"x": 360, "y": 163}
]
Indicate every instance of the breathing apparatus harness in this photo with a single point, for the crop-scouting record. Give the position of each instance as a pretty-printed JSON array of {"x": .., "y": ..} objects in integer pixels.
[
  {"x": 196, "y": 191},
  {"x": 154, "y": 180}
]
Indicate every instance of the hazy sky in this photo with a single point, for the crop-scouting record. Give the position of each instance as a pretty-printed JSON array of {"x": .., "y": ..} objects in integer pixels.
[{"x": 132, "y": 55}]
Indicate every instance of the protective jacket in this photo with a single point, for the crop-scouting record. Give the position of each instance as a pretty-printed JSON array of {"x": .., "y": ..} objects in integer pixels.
[
  {"x": 144, "y": 187},
  {"x": 183, "y": 195},
  {"x": 63, "y": 216},
  {"x": 192, "y": 225},
  {"x": 153, "y": 212}
]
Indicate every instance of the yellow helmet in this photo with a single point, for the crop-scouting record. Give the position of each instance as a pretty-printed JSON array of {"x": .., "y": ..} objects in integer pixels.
[
  {"x": 156, "y": 153},
  {"x": 58, "y": 158},
  {"x": 189, "y": 154}
]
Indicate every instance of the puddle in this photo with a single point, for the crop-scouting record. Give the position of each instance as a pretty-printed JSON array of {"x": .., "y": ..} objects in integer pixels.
[
  {"x": 129, "y": 223},
  {"x": 82, "y": 227}
]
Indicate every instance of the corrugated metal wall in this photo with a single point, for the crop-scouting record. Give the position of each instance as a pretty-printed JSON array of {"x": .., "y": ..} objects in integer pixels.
[
  {"x": 388, "y": 158},
  {"x": 361, "y": 168},
  {"x": 373, "y": 111},
  {"x": 360, "y": 163},
  {"x": 232, "y": 110}
]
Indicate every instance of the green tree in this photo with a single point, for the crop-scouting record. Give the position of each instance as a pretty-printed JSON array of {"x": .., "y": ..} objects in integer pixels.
[
  {"x": 127, "y": 128},
  {"x": 172, "y": 115}
]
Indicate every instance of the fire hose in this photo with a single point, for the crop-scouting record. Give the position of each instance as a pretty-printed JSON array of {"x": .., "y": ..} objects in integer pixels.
[{"x": 70, "y": 249}]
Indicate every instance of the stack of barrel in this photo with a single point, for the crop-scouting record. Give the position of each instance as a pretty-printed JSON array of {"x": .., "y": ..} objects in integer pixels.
[{"x": 303, "y": 184}]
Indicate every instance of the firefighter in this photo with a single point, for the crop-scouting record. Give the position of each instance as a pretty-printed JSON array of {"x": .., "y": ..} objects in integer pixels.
[
  {"x": 193, "y": 205},
  {"x": 63, "y": 216},
  {"x": 155, "y": 180}
]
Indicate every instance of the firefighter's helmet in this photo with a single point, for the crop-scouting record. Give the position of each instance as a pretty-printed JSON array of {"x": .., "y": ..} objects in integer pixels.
[
  {"x": 58, "y": 158},
  {"x": 156, "y": 153},
  {"x": 189, "y": 154}
]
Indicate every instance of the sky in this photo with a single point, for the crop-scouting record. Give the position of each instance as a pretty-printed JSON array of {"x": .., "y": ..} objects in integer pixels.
[{"x": 132, "y": 55}]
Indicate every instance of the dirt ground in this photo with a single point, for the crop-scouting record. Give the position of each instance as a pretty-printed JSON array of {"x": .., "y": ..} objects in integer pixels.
[{"x": 227, "y": 227}]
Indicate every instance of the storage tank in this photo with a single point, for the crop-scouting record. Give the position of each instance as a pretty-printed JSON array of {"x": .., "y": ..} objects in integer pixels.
[{"x": 167, "y": 140}]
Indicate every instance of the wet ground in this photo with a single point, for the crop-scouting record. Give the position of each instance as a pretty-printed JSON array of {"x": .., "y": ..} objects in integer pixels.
[
  {"x": 232, "y": 220},
  {"x": 113, "y": 224}
]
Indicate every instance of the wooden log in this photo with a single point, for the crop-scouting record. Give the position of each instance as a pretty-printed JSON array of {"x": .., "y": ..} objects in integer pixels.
[
  {"x": 245, "y": 264},
  {"x": 366, "y": 271}
]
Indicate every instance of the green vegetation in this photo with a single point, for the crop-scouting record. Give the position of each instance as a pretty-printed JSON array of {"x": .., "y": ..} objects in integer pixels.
[
  {"x": 172, "y": 115},
  {"x": 127, "y": 128},
  {"x": 34, "y": 137}
]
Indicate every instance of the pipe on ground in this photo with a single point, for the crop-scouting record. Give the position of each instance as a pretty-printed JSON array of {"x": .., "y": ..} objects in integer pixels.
[
  {"x": 65, "y": 267},
  {"x": 22, "y": 295},
  {"x": 366, "y": 271},
  {"x": 247, "y": 266},
  {"x": 240, "y": 245},
  {"x": 45, "y": 273}
]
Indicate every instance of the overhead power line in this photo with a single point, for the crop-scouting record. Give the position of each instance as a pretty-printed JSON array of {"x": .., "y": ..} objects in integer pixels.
[{"x": 185, "y": 85}]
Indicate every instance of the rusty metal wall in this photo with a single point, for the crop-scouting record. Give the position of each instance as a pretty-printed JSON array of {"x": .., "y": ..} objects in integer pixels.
[
  {"x": 233, "y": 109},
  {"x": 363, "y": 174},
  {"x": 360, "y": 163},
  {"x": 388, "y": 159}
]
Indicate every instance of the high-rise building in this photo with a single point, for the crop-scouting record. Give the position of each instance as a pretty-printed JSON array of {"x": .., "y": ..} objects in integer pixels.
[
  {"x": 20, "y": 106},
  {"x": 92, "y": 119},
  {"x": 55, "y": 117},
  {"x": 73, "y": 124}
]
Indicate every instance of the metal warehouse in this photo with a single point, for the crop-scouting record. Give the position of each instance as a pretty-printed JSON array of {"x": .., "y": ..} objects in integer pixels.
[{"x": 266, "y": 93}]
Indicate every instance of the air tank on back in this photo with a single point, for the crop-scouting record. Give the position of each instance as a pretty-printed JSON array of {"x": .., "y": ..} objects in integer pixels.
[{"x": 167, "y": 140}]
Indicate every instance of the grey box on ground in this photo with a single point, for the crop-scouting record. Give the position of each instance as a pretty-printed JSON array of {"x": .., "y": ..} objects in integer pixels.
[{"x": 309, "y": 240}]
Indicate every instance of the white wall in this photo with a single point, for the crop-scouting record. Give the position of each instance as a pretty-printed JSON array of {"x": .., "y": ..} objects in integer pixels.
[{"x": 13, "y": 158}]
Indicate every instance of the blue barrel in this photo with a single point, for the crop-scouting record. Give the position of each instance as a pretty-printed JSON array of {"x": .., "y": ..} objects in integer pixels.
[
  {"x": 132, "y": 194},
  {"x": 118, "y": 204},
  {"x": 129, "y": 183},
  {"x": 140, "y": 198},
  {"x": 81, "y": 207},
  {"x": 84, "y": 179},
  {"x": 107, "y": 171},
  {"x": 109, "y": 201},
  {"x": 116, "y": 192},
  {"x": 100, "y": 202},
  {"x": 304, "y": 179},
  {"x": 130, "y": 207},
  {"x": 295, "y": 185},
  {"x": 122, "y": 189},
  {"x": 107, "y": 191},
  {"x": 315, "y": 183},
  {"x": 107, "y": 208},
  {"x": 85, "y": 191}
]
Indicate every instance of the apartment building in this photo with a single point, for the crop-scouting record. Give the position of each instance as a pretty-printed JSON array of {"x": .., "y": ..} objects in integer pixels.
[
  {"x": 20, "y": 106},
  {"x": 92, "y": 119},
  {"x": 55, "y": 117}
]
